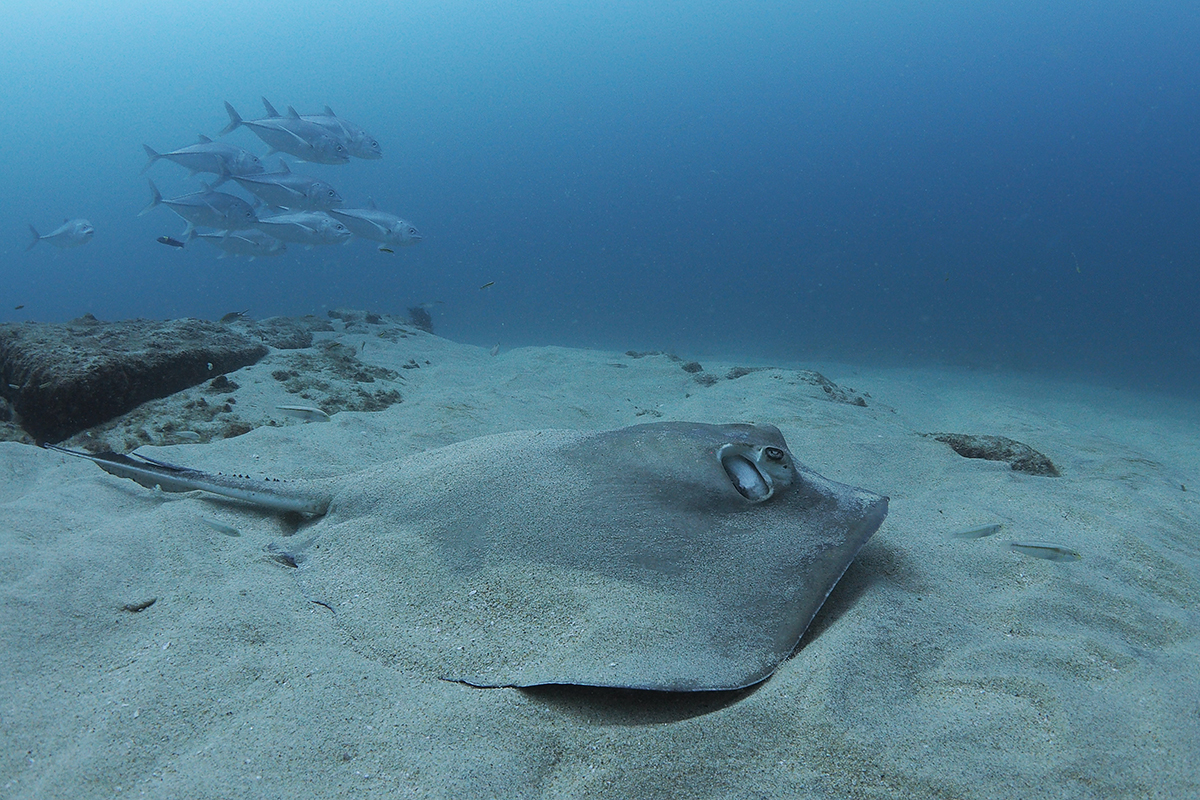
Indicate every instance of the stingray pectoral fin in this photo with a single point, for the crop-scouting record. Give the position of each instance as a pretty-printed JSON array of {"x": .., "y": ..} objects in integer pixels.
[{"x": 269, "y": 495}]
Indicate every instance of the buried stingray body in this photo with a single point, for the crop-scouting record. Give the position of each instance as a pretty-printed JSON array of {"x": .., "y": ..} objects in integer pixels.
[{"x": 670, "y": 556}]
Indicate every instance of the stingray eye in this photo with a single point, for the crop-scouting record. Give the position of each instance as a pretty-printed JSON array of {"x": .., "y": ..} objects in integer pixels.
[{"x": 773, "y": 453}]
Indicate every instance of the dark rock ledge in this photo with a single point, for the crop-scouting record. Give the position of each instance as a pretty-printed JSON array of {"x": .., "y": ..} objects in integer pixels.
[{"x": 61, "y": 379}]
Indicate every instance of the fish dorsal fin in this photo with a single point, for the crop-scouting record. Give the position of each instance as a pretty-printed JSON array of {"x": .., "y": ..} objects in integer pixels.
[
  {"x": 204, "y": 139},
  {"x": 292, "y": 114},
  {"x": 371, "y": 204},
  {"x": 205, "y": 186},
  {"x": 271, "y": 112},
  {"x": 283, "y": 167},
  {"x": 329, "y": 112}
]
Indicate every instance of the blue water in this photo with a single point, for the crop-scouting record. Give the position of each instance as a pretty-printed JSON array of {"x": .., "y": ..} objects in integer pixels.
[{"x": 1000, "y": 185}]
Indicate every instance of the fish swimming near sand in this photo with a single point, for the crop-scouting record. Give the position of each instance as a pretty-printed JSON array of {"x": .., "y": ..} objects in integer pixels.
[
  {"x": 1045, "y": 550},
  {"x": 306, "y": 413},
  {"x": 72, "y": 233},
  {"x": 979, "y": 532}
]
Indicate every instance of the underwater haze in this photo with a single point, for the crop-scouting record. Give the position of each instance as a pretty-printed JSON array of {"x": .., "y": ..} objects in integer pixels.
[{"x": 994, "y": 185}]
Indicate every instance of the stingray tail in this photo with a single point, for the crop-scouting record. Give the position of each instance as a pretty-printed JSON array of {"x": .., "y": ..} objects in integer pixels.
[{"x": 269, "y": 495}]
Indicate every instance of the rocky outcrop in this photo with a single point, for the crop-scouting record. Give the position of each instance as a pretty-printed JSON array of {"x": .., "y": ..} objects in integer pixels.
[
  {"x": 63, "y": 378},
  {"x": 1021, "y": 457}
]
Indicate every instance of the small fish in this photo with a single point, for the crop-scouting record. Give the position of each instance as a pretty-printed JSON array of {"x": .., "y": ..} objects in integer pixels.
[
  {"x": 386, "y": 250},
  {"x": 980, "y": 532},
  {"x": 169, "y": 242},
  {"x": 190, "y": 436},
  {"x": 234, "y": 315},
  {"x": 1050, "y": 552},
  {"x": 486, "y": 285},
  {"x": 18, "y": 308},
  {"x": 306, "y": 413},
  {"x": 220, "y": 527},
  {"x": 495, "y": 351}
]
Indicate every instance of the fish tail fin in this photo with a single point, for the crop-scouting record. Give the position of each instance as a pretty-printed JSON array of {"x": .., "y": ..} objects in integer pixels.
[
  {"x": 189, "y": 232},
  {"x": 150, "y": 473},
  {"x": 235, "y": 119},
  {"x": 37, "y": 237},
  {"x": 271, "y": 112},
  {"x": 152, "y": 155},
  {"x": 329, "y": 112},
  {"x": 155, "y": 198}
]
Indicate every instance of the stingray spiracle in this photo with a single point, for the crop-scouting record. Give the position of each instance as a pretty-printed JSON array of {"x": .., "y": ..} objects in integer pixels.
[{"x": 758, "y": 473}]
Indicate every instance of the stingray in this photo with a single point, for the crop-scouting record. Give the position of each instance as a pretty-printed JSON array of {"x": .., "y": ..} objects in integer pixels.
[{"x": 672, "y": 556}]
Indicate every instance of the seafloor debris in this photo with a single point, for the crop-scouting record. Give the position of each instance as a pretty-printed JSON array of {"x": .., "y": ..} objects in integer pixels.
[
  {"x": 421, "y": 319},
  {"x": 1021, "y": 457}
]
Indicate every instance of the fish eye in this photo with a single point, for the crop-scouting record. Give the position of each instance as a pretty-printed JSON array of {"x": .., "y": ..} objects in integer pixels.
[{"x": 773, "y": 453}]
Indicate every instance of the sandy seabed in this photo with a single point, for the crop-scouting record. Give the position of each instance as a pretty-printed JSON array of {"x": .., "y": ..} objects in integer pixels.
[{"x": 939, "y": 667}]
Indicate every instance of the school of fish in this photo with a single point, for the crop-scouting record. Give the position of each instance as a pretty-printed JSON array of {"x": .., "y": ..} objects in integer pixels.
[{"x": 282, "y": 206}]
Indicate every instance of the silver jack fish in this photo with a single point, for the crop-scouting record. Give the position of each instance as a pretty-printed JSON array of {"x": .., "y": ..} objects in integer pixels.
[
  {"x": 294, "y": 136},
  {"x": 72, "y": 233},
  {"x": 205, "y": 209},
  {"x": 305, "y": 227},
  {"x": 358, "y": 142},
  {"x": 209, "y": 156},
  {"x": 378, "y": 226},
  {"x": 251, "y": 242},
  {"x": 287, "y": 189}
]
